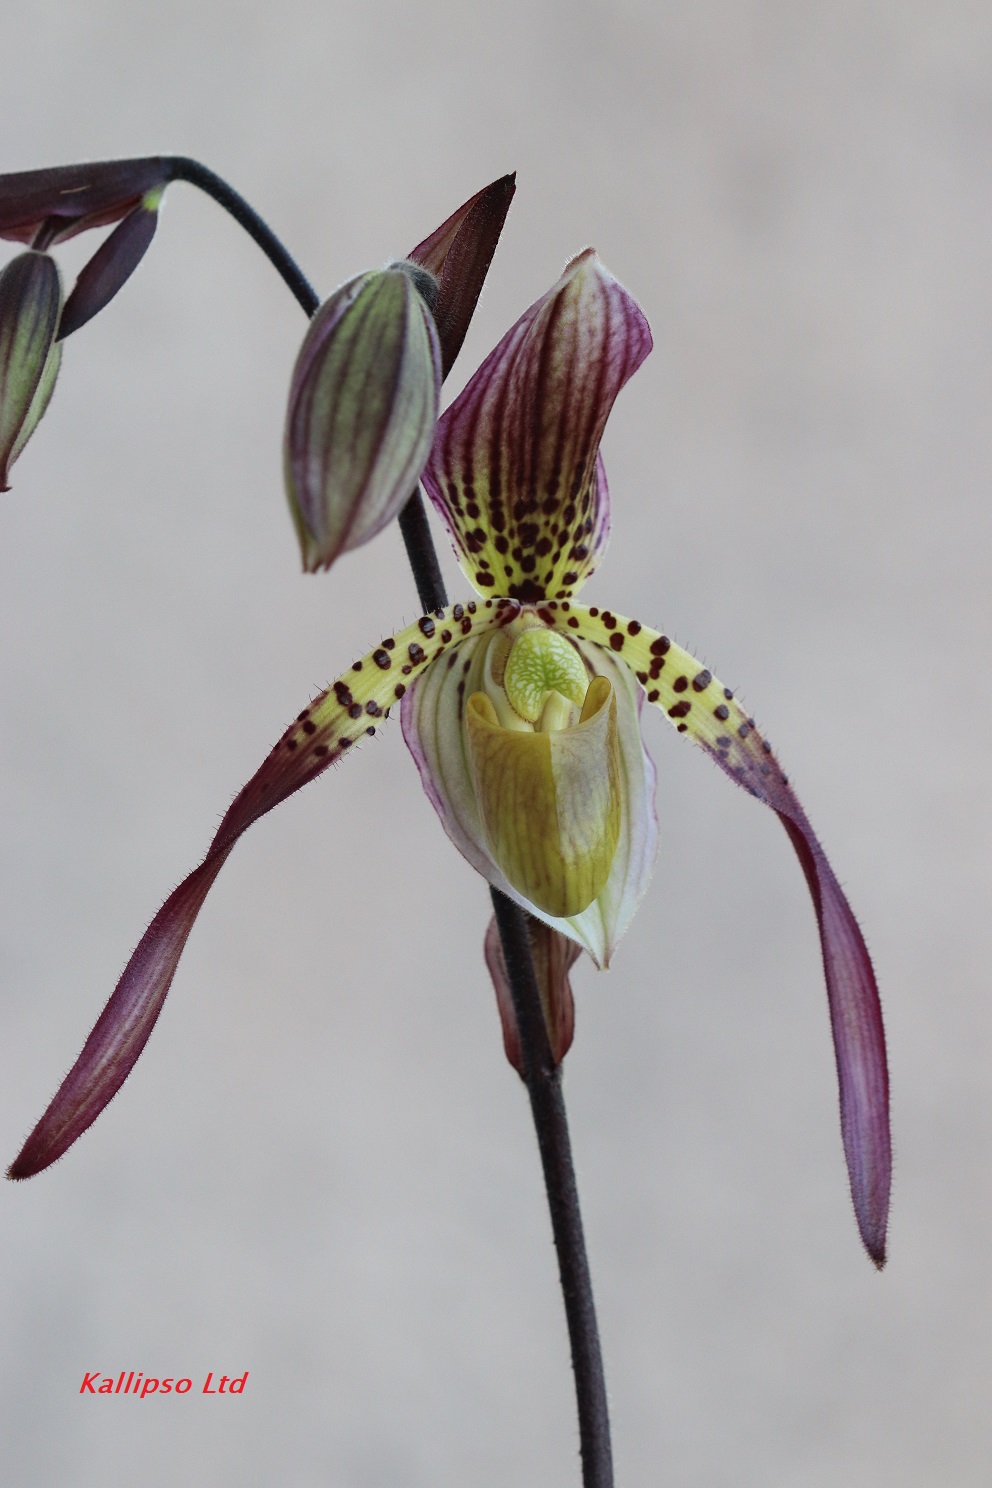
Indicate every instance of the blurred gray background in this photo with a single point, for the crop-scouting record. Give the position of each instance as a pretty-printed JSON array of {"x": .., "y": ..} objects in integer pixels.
[{"x": 322, "y": 1170}]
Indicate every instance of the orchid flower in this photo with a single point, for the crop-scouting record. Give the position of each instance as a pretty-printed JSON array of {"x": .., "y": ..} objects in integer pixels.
[{"x": 522, "y": 709}]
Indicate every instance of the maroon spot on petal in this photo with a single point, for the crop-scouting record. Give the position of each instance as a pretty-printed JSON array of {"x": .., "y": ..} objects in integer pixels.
[
  {"x": 355, "y": 711},
  {"x": 309, "y": 727},
  {"x": 399, "y": 689},
  {"x": 660, "y": 646},
  {"x": 702, "y": 680},
  {"x": 680, "y": 684},
  {"x": 617, "y": 640},
  {"x": 653, "y": 695},
  {"x": 382, "y": 659},
  {"x": 633, "y": 627},
  {"x": 528, "y": 592},
  {"x": 416, "y": 653},
  {"x": 680, "y": 710},
  {"x": 610, "y": 621},
  {"x": 427, "y": 625},
  {"x": 722, "y": 712}
]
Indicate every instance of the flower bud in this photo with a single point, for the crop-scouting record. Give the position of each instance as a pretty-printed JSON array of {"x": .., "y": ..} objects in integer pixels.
[
  {"x": 30, "y": 303},
  {"x": 362, "y": 408}
]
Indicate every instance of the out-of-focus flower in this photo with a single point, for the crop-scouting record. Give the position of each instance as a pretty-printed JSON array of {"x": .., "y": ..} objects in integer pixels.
[
  {"x": 45, "y": 207},
  {"x": 522, "y": 709},
  {"x": 42, "y": 208}
]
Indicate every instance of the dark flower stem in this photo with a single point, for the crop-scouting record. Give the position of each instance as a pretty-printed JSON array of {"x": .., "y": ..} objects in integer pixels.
[
  {"x": 181, "y": 168},
  {"x": 543, "y": 1080},
  {"x": 547, "y": 1105}
]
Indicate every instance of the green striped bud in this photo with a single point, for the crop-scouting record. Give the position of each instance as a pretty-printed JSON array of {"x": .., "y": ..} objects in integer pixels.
[
  {"x": 362, "y": 408},
  {"x": 30, "y": 304}
]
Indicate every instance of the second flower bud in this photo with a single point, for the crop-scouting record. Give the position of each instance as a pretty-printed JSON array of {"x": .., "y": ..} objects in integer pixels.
[{"x": 363, "y": 403}]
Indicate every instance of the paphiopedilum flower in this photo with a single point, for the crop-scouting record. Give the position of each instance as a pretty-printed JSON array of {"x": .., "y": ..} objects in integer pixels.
[
  {"x": 41, "y": 208},
  {"x": 48, "y": 206},
  {"x": 522, "y": 709}
]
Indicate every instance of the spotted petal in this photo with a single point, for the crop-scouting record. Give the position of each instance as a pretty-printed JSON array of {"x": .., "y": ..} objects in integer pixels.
[
  {"x": 431, "y": 716},
  {"x": 352, "y": 707},
  {"x": 707, "y": 712},
  {"x": 514, "y": 470}
]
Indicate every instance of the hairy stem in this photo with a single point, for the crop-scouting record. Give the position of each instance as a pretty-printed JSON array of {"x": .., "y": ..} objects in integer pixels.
[
  {"x": 551, "y": 1124},
  {"x": 543, "y": 1080},
  {"x": 181, "y": 168}
]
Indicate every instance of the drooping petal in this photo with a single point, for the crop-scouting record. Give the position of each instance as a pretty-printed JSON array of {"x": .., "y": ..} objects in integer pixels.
[
  {"x": 514, "y": 470},
  {"x": 72, "y": 198},
  {"x": 30, "y": 302},
  {"x": 458, "y": 254},
  {"x": 701, "y": 707},
  {"x": 553, "y": 956},
  {"x": 111, "y": 266},
  {"x": 432, "y": 715},
  {"x": 362, "y": 408},
  {"x": 351, "y": 708}
]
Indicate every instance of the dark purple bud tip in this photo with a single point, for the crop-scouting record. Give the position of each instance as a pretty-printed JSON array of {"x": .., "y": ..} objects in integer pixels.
[
  {"x": 68, "y": 199},
  {"x": 459, "y": 254},
  {"x": 111, "y": 266}
]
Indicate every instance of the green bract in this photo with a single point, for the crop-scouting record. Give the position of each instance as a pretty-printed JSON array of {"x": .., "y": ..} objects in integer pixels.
[{"x": 30, "y": 304}]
